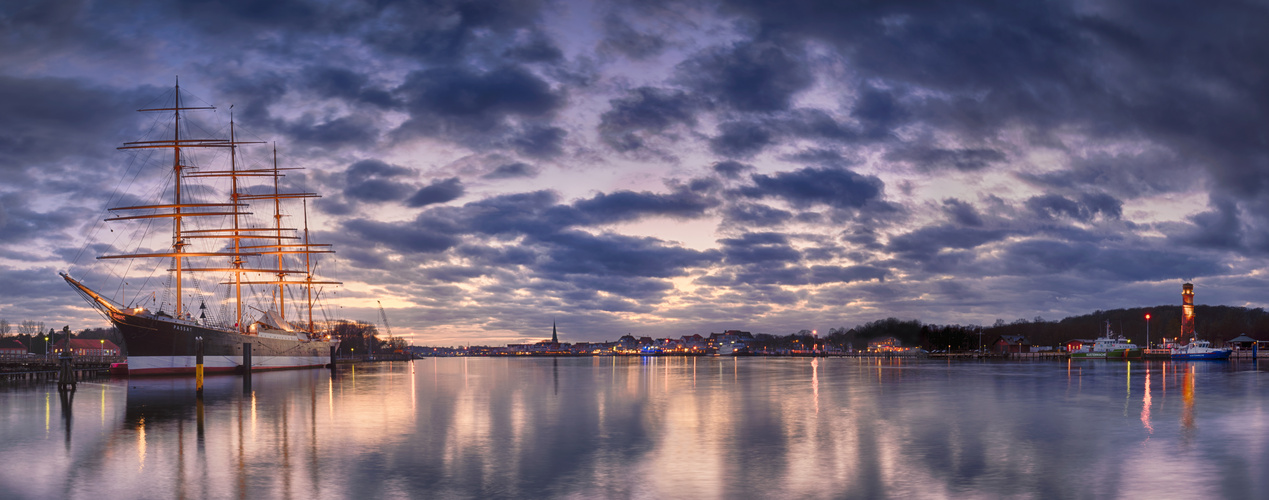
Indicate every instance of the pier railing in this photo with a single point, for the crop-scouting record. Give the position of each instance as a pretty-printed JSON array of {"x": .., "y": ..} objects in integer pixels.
[{"x": 39, "y": 362}]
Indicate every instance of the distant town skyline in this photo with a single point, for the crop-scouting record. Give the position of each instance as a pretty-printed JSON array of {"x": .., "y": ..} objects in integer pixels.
[{"x": 672, "y": 168}]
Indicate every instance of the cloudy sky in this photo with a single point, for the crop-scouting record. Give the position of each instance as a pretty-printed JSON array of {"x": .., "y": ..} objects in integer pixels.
[{"x": 667, "y": 168}]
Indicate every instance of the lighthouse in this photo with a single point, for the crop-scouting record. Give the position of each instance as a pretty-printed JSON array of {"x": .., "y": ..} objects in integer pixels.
[{"x": 1187, "y": 311}]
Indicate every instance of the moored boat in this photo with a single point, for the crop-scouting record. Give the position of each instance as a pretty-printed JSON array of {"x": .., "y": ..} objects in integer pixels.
[
  {"x": 1199, "y": 349},
  {"x": 159, "y": 342},
  {"x": 1109, "y": 346}
]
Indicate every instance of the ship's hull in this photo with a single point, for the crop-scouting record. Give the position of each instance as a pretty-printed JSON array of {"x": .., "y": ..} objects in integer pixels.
[
  {"x": 158, "y": 345},
  {"x": 1216, "y": 354}
]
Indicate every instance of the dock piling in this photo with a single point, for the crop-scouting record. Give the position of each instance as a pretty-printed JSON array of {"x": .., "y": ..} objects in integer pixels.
[
  {"x": 198, "y": 364},
  {"x": 246, "y": 358}
]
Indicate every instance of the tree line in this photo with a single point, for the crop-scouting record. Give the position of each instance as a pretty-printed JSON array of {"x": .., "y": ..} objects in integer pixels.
[{"x": 1214, "y": 323}]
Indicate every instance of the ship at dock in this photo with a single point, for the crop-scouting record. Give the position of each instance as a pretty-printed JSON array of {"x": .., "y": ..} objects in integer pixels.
[
  {"x": 214, "y": 192},
  {"x": 1108, "y": 346}
]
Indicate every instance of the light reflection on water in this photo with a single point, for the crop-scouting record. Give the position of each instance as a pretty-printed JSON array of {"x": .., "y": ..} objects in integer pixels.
[{"x": 651, "y": 428}]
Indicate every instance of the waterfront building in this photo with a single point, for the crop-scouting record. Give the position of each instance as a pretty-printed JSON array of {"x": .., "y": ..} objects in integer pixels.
[
  {"x": 87, "y": 347},
  {"x": 12, "y": 347},
  {"x": 884, "y": 344},
  {"x": 1011, "y": 344}
]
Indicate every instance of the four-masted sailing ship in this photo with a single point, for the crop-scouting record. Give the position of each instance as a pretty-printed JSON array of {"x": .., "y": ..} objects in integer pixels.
[{"x": 253, "y": 256}]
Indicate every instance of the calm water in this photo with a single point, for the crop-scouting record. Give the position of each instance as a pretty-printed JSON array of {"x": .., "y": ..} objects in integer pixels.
[{"x": 652, "y": 428}]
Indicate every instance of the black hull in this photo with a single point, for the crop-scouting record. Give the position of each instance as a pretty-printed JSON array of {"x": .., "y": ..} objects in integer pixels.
[{"x": 160, "y": 345}]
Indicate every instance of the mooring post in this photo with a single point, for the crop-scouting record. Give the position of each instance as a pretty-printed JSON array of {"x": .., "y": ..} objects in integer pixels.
[
  {"x": 66, "y": 373},
  {"x": 198, "y": 364},
  {"x": 246, "y": 358},
  {"x": 332, "y": 357}
]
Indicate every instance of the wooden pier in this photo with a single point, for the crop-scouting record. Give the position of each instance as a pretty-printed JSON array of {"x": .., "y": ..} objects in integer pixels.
[{"x": 27, "y": 367}]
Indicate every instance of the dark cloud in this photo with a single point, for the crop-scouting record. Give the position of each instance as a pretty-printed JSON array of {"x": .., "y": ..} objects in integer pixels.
[
  {"x": 731, "y": 169},
  {"x": 1045, "y": 257},
  {"x": 535, "y": 47},
  {"x": 539, "y": 141},
  {"x": 759, "y": 248},
  {"x": 620, "y": 37},
  {"x": 756, "y": 215},
  {"x": 925, "y": 242},
  {"x": 1219, "y": 228},
  {"x": 835, "y": 187},
  {"x": 446, "y": 30},
  {"x": 332, "y": 132},
  {"x": 962, "y": 213},
  {"x": 740, "y": 139},
  {"x": 576, "y": 252},
  {"x": 930, "y": 158},
  {"x": 1128, "y": 174},
  {"x": 43, "y": 120},
  {"x": 345, "y": 84},
  {"x": 19, "y": 223},
  {"x": 375, "y": 181},
  {"x": 511, "y": 171},
  {"x": 230, "y": 16},
  {"x": 515, "y": 214},
  {"x": 878, "y": 112},
  {"x": 455, "y": 100},
  {"x": 644, "y": 112},
  {"x": 418, "y": 237},
  {"x": 1088, "y": 206},
  {"x": 835, "y": 274},
  {"x": 748, "y": 76},
  {"x": 623, "y": 206},
  {"x": 440, "y": 191}
]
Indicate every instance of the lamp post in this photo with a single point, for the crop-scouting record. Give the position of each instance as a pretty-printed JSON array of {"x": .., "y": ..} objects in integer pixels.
[{"x": 1147, "y": 330}]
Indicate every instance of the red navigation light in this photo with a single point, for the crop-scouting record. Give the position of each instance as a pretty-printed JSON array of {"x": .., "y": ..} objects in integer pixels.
[{"x": 1147, "y": 316}]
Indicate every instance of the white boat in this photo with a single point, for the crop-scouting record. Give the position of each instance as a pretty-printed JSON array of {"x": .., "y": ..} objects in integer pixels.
[
  {"x": 1109, "y": 346},
  {"x": 1199, "y": 349}
]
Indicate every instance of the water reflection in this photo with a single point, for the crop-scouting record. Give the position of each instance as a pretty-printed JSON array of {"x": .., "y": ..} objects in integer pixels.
[
  {"x": 651, "y": 427},
  {"x": 1145, "y": 407}
]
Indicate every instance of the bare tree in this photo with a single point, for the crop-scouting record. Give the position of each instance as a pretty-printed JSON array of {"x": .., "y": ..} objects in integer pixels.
[
  {"x": 5, "y": 327},
  {"x": 28, "y": 327}
]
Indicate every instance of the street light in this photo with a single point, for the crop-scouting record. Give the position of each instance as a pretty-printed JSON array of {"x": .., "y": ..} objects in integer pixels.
[{"x": 1147, "y": 330}]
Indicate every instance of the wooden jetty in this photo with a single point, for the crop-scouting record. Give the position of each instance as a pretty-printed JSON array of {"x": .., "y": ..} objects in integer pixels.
[{"x": 36, "y": 367}]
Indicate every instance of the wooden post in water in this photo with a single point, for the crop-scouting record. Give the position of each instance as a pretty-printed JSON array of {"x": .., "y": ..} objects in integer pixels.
[
  {"x": 332, "y": 357},
  {"x": 246, "y": 358},
  {"x": 66, "y": 372},
  {"x": 246, "y": 367},
  {"x": 198, "y": 365}
]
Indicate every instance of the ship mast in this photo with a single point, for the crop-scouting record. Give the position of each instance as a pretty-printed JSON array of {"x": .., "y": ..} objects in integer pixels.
[
  {"x": 278, "y": 248},
  {"x": 179, "y": 209},
  {"x": 177, "y": 245},
  {"x": 233, "y": 197},
  {"x": 177, "y": 213},
  {"x": 277, "y": 217},
  {"x": 308, "y": 270}
]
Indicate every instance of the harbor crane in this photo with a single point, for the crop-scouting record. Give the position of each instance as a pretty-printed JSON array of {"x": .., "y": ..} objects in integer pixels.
[{"x": 384, "y": 318}]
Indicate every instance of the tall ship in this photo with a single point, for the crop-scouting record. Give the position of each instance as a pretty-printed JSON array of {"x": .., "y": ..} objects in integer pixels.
[
  {"x": 1108, "y": 346},
  {"x": 215, "y": 196}
]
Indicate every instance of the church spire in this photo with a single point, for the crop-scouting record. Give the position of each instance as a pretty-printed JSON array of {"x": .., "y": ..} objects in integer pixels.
[{"x": 555, "y": 338}]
